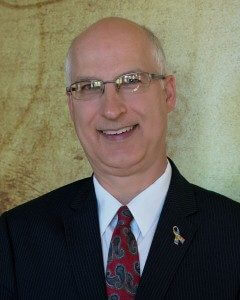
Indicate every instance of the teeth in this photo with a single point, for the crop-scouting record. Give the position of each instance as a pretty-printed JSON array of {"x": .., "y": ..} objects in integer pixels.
[{"x": 119, "y": 131}]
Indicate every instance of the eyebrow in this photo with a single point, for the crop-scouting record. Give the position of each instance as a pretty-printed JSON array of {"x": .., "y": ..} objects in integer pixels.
[
  {"x": 80, "y": 78},
  {"x": 132, "y": 71}
]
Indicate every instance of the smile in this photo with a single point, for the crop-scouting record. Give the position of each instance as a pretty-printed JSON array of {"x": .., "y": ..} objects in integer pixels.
[{"x": 120, "y": 131}]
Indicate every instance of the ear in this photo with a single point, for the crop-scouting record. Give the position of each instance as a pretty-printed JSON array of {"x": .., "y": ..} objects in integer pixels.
[
  {"x": 70, "y": 105},
  {"x": 170, "y": 89}
]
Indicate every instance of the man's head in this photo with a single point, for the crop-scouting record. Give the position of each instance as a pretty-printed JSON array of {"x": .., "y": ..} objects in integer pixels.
[
  {"x": 158, "y": 52},
  {"x": 121, "y": 129}
]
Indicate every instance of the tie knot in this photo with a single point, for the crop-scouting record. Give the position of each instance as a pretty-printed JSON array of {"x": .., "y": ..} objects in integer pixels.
[{"x": 124, "y": 216}]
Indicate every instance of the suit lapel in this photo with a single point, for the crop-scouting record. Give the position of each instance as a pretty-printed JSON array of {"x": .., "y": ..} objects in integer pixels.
[
  {"x": 84, "y": 243},
  {"x": 165, "y": 256}
]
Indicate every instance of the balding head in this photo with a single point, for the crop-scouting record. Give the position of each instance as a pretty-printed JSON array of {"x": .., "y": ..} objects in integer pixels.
[
  {"x": 122, "y": 126},
  {"x": 107, "y": 31}
]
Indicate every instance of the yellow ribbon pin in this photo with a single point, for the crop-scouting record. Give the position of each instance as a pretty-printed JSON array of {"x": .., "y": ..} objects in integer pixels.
[{"x": 178, "y": 238}]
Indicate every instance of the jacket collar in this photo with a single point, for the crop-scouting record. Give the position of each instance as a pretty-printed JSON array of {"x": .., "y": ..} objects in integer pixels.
[
  {"x": 84, "y": 243},
  {"x": 178, "y": 213}
]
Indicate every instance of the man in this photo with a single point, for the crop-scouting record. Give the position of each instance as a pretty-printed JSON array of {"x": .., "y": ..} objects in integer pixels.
[{"x": 136, "y": 229}]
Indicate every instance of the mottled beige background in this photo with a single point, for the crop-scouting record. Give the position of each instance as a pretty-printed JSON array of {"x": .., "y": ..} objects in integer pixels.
[{"x": 38, "y": 147}]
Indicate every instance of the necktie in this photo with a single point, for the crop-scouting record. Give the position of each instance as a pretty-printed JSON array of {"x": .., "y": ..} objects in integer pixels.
[{"x": 123, "y": 267}]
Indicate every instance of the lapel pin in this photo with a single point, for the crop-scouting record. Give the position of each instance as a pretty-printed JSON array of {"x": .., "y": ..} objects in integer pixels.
[{"x": 177, "y": 237}]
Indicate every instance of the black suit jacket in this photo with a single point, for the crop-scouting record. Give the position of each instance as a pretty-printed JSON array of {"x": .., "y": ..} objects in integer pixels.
[{"x": 50, "y": 248}]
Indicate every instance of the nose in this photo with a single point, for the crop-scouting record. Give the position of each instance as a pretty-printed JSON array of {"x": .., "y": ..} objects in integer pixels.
[{"x": 113, "y": 105}]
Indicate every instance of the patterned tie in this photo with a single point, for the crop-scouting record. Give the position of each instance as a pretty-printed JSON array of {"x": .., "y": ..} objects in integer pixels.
[{"x": 123, "y": 267}]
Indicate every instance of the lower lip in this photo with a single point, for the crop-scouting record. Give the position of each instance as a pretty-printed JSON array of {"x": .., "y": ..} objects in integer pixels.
[{"x": 121, "y": 136}]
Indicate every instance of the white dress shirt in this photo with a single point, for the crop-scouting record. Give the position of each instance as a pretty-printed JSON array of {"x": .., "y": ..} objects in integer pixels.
[{"x": 146, "y": 208}]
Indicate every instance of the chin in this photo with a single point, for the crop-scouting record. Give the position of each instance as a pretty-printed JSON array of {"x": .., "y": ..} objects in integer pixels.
[{"x": 121, "y": 166}]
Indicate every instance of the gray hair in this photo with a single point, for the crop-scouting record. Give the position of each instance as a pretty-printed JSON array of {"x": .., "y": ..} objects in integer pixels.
[
  {"x": 159, "y": 55},
  {"x": 67, "y": 68}
]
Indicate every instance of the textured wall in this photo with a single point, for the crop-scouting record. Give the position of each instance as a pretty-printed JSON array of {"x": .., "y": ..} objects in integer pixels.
[{"x": 38, "y": 147}]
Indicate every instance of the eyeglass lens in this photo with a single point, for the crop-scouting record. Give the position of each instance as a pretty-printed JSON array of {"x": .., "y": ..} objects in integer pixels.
[{"x": 129, "y": 83}]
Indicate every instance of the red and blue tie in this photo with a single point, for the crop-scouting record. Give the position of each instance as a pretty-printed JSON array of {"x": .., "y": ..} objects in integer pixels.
[{"x": 123, "y": 267}]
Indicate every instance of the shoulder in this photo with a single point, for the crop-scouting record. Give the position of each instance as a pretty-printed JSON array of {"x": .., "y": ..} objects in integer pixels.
[
  {"x": 204, "y": 199},
  {"x": 213, "y": 210},
  {"x": 213, "y": 201},
  {"x": 217, "y": 213},
  {"x": 53, "y": 202}
]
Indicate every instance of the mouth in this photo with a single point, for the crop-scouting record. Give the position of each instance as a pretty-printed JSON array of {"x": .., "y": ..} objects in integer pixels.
[{"x": 121, "y": 132}]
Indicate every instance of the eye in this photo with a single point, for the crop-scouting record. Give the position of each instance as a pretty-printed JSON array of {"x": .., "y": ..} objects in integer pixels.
[
  {"x": 132, "y": 79},
  {"x": 85, "y": 86},
  {"x": 89, "y": 86},
  {"x": 133, "y": 82}
]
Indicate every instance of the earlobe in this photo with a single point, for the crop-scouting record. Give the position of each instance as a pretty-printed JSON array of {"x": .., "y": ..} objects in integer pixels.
[{"x": 170, "y": 88}]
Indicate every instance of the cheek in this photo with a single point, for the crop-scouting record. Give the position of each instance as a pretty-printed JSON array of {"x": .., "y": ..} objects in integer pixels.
[
  {"x": 154, "y": 119},
  {"x": 84, "y": 114},
  {"x": 153, "y": 112}
]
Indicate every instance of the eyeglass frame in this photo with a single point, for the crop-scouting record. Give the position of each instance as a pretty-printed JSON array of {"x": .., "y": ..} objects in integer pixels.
[{"x": 151, "y": 76}]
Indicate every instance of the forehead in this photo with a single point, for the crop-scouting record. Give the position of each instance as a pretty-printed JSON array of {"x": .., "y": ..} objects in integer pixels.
[{"x": 110, "y": 50}]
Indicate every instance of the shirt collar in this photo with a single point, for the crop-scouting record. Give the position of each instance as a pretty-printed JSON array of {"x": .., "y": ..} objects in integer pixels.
[
  {"x": 146, "y": 207},
  {"x": 107, "y": 206}
]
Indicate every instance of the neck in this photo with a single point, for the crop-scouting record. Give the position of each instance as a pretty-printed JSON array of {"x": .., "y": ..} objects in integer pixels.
[{"x": 125, "y": 188}]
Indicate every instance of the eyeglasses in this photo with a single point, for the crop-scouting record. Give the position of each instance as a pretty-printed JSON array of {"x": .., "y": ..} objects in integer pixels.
[{"x": 131, "y": 83}]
